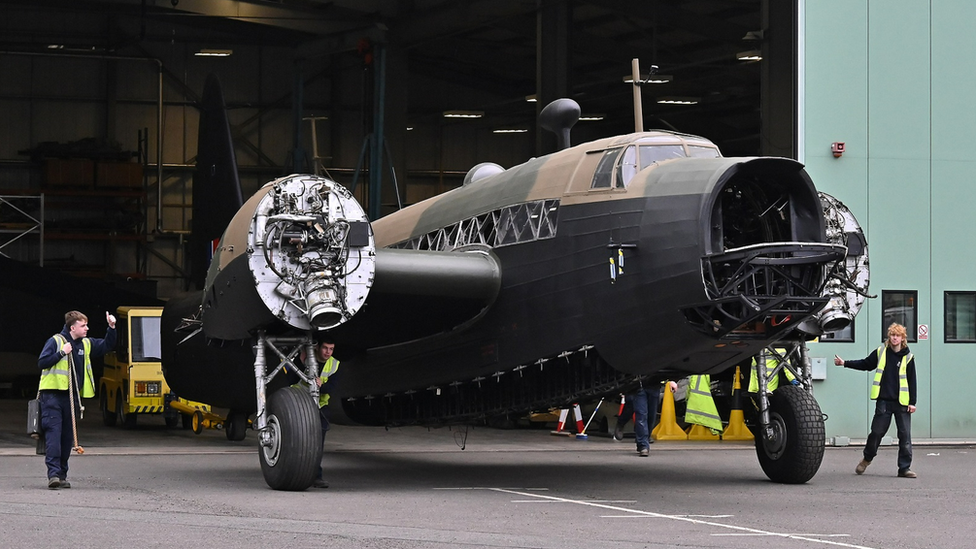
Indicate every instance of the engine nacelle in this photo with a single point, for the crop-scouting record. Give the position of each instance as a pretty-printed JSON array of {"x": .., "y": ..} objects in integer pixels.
[
  {"x": 847, "y": 285},
  {"x": 300, "y": 252}
]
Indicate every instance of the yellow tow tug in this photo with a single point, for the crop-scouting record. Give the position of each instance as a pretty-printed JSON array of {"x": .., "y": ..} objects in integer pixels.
[{"x": 133, "y": 383}]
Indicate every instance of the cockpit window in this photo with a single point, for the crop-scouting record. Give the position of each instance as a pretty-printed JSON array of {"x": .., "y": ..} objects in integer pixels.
[
  {"x": 697, "y": 151},
  {"x": 650, "y": 154},
  {"x": 628, "y": 167},
  {"x": 603, "y": 176}
]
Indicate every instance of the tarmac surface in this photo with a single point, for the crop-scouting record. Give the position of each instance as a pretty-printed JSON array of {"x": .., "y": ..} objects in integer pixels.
[{"x": 472, "y": 488}]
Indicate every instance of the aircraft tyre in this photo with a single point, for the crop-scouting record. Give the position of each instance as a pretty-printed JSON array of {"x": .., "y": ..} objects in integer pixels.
[
  {"x": 794, "y": 453},
  {"x": 108, "y": 417},
  {"x": 291, "y": 448},
  {"x": 236, "y": 426}
]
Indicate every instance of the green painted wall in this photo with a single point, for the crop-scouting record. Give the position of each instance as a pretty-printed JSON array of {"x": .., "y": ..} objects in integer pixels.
[{"x": 893, "y": 79}]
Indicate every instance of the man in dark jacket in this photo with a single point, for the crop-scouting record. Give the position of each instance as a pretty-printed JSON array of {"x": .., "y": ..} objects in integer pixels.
[
  {"x": 66, "y": 376},
  {"x": 894, "y": 390}
]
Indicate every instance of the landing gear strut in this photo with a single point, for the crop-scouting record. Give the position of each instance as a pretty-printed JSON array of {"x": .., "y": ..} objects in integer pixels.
[
  {"x": 790, "y": 432},
  {"x": 289, "y": 429}
]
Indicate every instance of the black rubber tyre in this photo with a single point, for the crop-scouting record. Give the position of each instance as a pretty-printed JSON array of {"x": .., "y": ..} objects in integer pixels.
[
  {"x": 108, "y": 416},
  {"x": 236, "y": 426},
  {"x": 794, "y": 454},
  {"x": 128, "y": 421},
  {"x": 172, "y": 421},
  {"x": 291, "y": 459},
  {"x": 187, "y": 421}
]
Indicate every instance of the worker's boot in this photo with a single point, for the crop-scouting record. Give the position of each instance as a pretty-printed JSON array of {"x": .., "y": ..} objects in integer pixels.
[
  {"x": 53, "y": 483},
  {"x": 862, "y": 466}
]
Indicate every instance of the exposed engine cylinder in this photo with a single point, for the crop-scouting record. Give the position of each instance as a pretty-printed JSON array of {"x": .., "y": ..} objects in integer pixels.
[
  {"x": 848, "y": 283},
  {"x": 311, "y": 250}
]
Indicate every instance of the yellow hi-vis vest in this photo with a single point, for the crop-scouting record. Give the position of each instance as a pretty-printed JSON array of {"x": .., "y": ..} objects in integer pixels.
[
  {"x": 56, "y": 377},
  {"x": 903, "y": 396},
  {"x": 772, "y": 361},
  {"x": 701, "y": 408},
  {"x": 330, "y": 367}
]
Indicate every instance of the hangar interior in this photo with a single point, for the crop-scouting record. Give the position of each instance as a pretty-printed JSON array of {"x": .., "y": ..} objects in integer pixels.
[{"x": 100, "y": 102}]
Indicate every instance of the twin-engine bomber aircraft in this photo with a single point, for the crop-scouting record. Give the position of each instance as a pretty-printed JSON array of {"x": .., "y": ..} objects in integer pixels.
[{"x": 639, "y": 257}]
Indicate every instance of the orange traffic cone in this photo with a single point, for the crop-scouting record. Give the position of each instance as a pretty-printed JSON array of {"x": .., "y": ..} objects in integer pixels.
[
  {"x": 700, "y": 432},
  {"x": 668, "y": 428},
  {"x": 736, "y": 429}
]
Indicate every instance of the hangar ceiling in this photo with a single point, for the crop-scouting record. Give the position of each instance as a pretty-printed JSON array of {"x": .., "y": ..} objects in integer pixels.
[{"x": 486, "y": 50}]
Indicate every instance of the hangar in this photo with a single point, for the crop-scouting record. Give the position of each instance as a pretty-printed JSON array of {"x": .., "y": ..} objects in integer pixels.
[{"x": 99, "y": 102}]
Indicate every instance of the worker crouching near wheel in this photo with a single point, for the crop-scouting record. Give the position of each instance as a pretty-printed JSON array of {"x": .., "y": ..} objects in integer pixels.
[{"x": 66, "y": 378}]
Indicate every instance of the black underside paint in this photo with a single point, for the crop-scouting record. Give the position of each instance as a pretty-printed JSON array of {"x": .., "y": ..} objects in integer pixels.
[{"x": 560, "y": 329}]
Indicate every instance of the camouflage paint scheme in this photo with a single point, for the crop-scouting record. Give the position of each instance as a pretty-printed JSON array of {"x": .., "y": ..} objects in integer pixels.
[{"x": 556, "y": 295}]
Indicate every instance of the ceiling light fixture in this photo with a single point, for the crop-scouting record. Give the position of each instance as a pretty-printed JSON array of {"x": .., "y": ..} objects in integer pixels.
[
  {"x": 651, "y": 79},
  {"x": 592, "y": 117},
  {"x": 463, "y": 114},
  {"x": 750, "y": 55},
  {"x": 531, "y": 98},
  {"x": 678, "y": 100},
  {"x": 209, "y": 52},
  {"x": 510, "y": 130}
]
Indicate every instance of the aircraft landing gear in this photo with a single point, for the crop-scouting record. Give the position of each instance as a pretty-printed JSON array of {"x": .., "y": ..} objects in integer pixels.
[
  {"x": 235, "y": 427},
  {"x": 293, "y": 452},
  {"x": 791, "y": 448},
  {"x": 789, "y": 428},
  {"x": 288, "y": 424}
]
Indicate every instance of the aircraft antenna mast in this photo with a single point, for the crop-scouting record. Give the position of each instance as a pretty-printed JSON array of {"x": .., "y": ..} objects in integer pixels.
[{"x": 638, "y": 110}]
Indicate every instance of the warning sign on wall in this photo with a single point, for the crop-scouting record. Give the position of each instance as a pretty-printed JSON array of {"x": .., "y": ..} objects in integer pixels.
[{"x": 923, "y": 331}]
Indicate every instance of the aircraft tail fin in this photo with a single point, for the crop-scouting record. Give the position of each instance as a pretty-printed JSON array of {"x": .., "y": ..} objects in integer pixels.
[{"x": 216, "y": 185}]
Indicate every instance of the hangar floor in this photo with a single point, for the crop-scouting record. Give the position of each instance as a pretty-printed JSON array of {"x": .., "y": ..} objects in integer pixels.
[{"x": 417, "y": 488}]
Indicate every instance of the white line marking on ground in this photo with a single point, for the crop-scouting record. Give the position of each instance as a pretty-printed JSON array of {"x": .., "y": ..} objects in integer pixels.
[
  {"x": 587, "y": 501},
  {"x": 740, "y": 529},
  {"x": 790, "y": 534},
  {"x": 669, "y": 516}
]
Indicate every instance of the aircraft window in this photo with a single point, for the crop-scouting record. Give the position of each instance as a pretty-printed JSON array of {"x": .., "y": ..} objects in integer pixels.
[
  {"x": 698, "y": 151},
  {"x": 603, "y": 176},
  {"x": 146, "y": 344},
  {"x": 650, "y": 154},
  {"x": 628, "y": 167}
]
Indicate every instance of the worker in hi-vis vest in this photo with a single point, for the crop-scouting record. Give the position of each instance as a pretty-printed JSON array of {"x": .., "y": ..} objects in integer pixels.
[
  {"x": 772, "y": 361},
  {"x": 66, "y": 378},
  {"x": 328, "y": 365},
  {"x": 894, "y": 391}
]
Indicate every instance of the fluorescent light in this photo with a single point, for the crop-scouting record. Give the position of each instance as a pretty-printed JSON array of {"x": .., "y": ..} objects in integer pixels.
[
  {"x": 750, "y": 55},
  {"x": 207, "y": 52},
  {"x": 531, "y": 98},
  {"x": 592, "y": 117},
  {"x": 651, "y": 79},
  {"x": 678, "y": 100},
  {"x": 510, "y": 130},
  {"x": 463, "y": 114}
]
